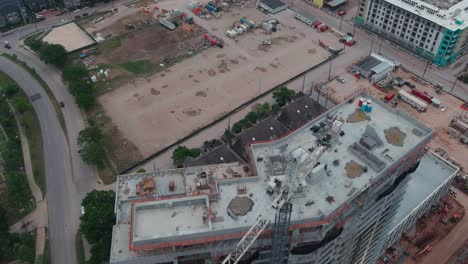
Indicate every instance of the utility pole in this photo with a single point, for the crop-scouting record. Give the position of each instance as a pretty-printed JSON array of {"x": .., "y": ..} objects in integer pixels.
[
  {"x": 425, "y": 69},
  {"x": 455, "y": 82},
  {"x": 381, "y": 42},
  {"x": 329, "y": 69},
  {"x": 354, "y": 29},
  {"x": 371, "y": 46},
  {"x": 303, "y": 83},
  {"x": 341, "y": 21}
]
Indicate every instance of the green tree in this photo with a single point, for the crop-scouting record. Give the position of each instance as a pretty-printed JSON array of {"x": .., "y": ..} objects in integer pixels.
[
  {"x": 100, "y": 252},
  {"x": 228, "y": 135},
  {"x": 263, "y": 110},
  {"x": 141, "y": 170},
  {"x": 252, "y": 117},
  {"x": 283, "y": 95},
  {"x": 10, "y": 90},
  {"x": 96, "y": 223},
  {"x": 17, "y": 188},
  {"x": 74, "y": 73},
  {"x": 34, "y": 43},
  {"x": 83, "y": 93},
  {"x": 93, "y": 153},
  {"x": 237, "y": 128},
  {"x": 98, "y": 219},
  {"x": 91, "y": 142},
  {"x": 245, "y": 123},
  {"x": 21, "y": 104},
  {"x": 182, "y": 152},
  {"x": 85, "y": 101},
  {"x": 90, "y": 134},
  {"x": 13, "y": 156},
  {"x": 80, "y": 86},
  {"x": 53, "y": 54},
  {"x": 4, "y": 235},
  {"x": 24, "y": 247}
]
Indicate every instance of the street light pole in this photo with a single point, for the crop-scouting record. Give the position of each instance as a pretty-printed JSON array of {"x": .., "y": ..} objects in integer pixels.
[
  {"x": 341, "y": 21},
  {"x": 455, "y": 82},
  {"x": 329, "y": 69},
  {"x": 371, "y": 46},
  {"x": 381, "y": 42},
  {"x": 425, "y": 69}
]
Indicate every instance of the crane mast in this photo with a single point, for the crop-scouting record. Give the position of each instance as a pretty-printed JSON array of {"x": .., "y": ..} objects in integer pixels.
[{"x": 297, "y": 170}]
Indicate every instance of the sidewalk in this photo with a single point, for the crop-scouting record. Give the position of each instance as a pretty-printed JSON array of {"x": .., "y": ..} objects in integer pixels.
[{"x": 38, "y": 218}]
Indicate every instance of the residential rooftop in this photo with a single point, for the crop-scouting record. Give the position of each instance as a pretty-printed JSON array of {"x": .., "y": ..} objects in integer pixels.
[
  {"x": 206, "y": 203},
  {"x": 451, "y": 14}
]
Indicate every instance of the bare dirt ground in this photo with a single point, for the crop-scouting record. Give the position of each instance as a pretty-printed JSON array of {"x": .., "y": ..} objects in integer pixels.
[
  {"x": 70, "y": 36},
  {"x": 155, "y": 111},
  {"x": 448, "y": 245},
  {"x": 156, "y": 44},
  {"x": 430, "y": 230}
]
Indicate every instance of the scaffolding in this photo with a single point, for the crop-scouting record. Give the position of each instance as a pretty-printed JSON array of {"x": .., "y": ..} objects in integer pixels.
[{"x": 280, "y": 245}]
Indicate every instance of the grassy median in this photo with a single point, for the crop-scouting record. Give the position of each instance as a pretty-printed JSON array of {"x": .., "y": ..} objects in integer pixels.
[{"x": 17, "y": 199}]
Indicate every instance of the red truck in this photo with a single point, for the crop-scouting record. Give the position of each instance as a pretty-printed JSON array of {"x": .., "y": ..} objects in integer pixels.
[
  {"x": 389, "y": 97},
  {"x": 422, "y": 95}
]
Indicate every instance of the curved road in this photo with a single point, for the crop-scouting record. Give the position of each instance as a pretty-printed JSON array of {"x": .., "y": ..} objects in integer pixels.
[{"x": 62, "y": 207}]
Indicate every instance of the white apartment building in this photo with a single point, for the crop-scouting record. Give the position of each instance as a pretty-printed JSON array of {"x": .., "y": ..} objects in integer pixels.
[{"x": 436, "y": 30}]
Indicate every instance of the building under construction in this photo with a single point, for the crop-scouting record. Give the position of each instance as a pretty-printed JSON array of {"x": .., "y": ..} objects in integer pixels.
[{"x": 355, "y": 160}]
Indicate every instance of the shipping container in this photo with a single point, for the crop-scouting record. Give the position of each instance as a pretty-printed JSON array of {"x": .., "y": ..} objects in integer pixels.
[
  {"x": 211, "y": 8},
  {"x": 247, "y": 22},
  {"x": 415, "y": 102}
]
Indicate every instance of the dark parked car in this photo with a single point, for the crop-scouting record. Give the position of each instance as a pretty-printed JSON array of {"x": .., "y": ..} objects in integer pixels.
[
  {"x": 85, "y": 14},
  {"x": 410, "y": 85},
  {"x": 77, "y": 17}
]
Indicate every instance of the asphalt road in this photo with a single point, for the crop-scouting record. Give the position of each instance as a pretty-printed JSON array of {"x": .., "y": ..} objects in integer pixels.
[{"x": 63, "y": 208}]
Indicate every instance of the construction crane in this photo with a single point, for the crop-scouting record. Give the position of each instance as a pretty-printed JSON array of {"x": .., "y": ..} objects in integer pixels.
[{"x": 299, "y": 166}]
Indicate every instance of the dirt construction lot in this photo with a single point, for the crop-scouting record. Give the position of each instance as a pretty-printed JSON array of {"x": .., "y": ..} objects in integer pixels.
[
  {"x": 155, "y": 111},
  {"x": 154, "y": 44}
]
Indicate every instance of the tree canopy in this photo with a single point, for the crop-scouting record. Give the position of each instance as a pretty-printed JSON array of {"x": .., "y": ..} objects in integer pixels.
[
  {"x": 53, "y": 54},
  {"x": 182, "y": 152},
  {"x": 17, "y": 194},
  {"x": 91, "y": 142},
  {"x": 96, "y": 223},
  {"x": 283, "y": 95},
  {"x": 252, "y": 117},
  {"x": 74, "y": 73}
]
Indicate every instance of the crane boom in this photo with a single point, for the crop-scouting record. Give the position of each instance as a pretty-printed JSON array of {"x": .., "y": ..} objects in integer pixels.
[{"x": 297, "y": 171}]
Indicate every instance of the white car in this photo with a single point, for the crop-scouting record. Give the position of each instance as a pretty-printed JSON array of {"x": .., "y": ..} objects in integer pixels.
[
  {"x": 340, "y": 79},
  {"x": 82, "y": 210}
]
